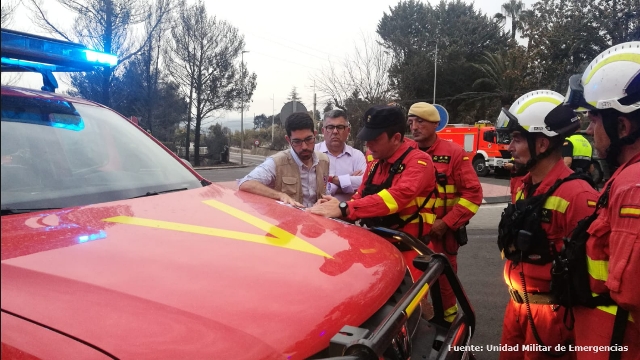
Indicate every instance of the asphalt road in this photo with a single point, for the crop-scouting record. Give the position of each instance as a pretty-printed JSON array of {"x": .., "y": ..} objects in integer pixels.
[{"x": 479, "y": 263}]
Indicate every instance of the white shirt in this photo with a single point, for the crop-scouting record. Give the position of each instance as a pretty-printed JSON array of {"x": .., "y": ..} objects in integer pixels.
[{"x": 347, "y": 162}]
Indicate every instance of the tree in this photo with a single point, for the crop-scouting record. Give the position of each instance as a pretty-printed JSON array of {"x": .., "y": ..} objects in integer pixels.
[
  {"x": 505, "y": 78},
  {"x": 8, "y": 10},
  {"x": 564, "y": 37},
  {"x": 411, "y": 30},
  {"x": 512, "y": 10},
  {"x": 358, "y": 82},
  {"x": 216, "y": 141},
  {"x": 261, "y": 121},
  {"x": 294, "y": 96},
  {"x": 105, "y": 25},
  {"x": 201, "y": 58}
]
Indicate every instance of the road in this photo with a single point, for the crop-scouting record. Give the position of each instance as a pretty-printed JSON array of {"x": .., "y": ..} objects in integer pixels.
[{"x": 479, "y": 263}]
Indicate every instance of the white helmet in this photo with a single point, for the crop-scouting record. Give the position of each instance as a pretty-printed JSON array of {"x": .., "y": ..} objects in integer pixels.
[
  {"x": 611, "y": 81},
  {"x": 529, "y": 113}
]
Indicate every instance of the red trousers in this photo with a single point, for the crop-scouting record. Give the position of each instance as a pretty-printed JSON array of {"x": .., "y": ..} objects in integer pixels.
[
  {"x": 594, "y": 328},
  {"x": 516, "y": 330},
  {"x": 448, "y": 297}
]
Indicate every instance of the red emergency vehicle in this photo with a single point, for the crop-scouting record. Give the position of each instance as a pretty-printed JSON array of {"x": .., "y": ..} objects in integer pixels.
[
  {"x": 487, "y": 149},
  {"x": 113, "y": 248}
]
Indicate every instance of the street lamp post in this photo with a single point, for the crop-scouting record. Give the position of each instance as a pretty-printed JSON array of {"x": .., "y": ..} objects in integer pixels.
[
  {"x": 435, "y": 70},
  {"x": 242, "y": 107},
  {"x": 273, "y": 117}
]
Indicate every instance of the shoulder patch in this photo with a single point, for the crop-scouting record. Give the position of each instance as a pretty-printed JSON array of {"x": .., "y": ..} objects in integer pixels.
[
  {"x": 630, "y": 211},
  {"x": 465, "y": 158},
  {"x": 566, "y": 143},
  {"x": 443, "y": 159},
  {"x": 591, "y": 203},
  {"x": 422, "y": 163}
]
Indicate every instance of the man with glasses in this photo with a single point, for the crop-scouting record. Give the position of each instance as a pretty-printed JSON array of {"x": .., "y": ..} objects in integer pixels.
[
  {"x": 297, "y": 176},
  {"x": 459, "y": 192},
  {"x": 346, "y": 164}
]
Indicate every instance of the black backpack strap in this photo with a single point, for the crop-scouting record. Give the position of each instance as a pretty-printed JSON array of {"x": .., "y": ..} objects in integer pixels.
[{"x": 619, "y": 326}]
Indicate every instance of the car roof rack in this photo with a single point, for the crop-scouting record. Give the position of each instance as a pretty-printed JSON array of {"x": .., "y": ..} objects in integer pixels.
[{"x": 23, "y": 52}]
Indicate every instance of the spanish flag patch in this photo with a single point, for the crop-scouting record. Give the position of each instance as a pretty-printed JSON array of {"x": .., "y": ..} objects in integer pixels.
[
  {"x": 422, "y": 163},
  {"x": 591, "y": 203},
  {"x": 630, "y": 211},
  {"x": 465, "y": 158}
]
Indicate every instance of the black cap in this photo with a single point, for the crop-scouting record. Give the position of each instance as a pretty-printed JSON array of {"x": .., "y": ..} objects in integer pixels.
[
  {"x": 378, "y": 119},
  {"x": 563, "y": 120}
]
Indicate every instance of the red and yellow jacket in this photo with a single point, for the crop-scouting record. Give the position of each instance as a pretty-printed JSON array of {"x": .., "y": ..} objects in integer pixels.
[
  {"x": 570, "y": 203},
  {"x": 463, "y": 192},
  {"x": 407, "y": 192},
  {"x": 613, "y": 248}
]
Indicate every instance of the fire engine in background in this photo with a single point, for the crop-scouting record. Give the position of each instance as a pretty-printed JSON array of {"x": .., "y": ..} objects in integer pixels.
[{"x": 487, "y": 149}]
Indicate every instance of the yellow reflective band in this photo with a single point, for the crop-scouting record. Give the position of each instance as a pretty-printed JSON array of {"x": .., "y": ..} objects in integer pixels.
[
  {"x": 416, "y": 300},
  {"x": 428, "y": 218},
  {"x": 613, "y": 58},
  {"x": 535, "y": 100},
  {"x": 450, "y": 202},
  {"x": 368, "y": 251},
  {"x": 451, "y": 189},
  {"x": 598, "y": 269},
  {"x": 369, "y": 158},
  {"x": 556, "y": 203},
  {"x": 450, "y": 313},
  {"x": 630, "y": 211},
  {"x": 468, "y": 205},
  {"x": 610, "y": 309},
  {"x": 389, "y": 201},
  {"x": 519, "y": 195},
  {"x": 279, "y": 237}
]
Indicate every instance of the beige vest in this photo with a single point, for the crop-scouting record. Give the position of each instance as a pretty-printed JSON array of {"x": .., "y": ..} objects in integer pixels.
[{"x": 288, "y": 175}]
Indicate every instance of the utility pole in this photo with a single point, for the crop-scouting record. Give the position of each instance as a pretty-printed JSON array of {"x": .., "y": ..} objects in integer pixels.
[
  {"x": 315, "y": 126},
  {"x": 435, "y": 70},
  {"x": 242, "y": 107},
  {"x": 273, "y": 117}
]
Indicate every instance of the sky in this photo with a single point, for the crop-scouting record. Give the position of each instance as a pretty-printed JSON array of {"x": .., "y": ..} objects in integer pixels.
[{"x": 288, "y": 42}]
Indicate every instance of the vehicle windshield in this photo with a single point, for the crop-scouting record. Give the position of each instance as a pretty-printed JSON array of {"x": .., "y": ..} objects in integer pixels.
[
  {"x": 56, "y": 154},
  {"x": 503, "y": 137}
]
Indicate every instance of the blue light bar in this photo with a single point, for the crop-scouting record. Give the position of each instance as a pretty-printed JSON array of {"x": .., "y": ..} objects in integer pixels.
[
  {"x": 101, "y": 58},
  {"x": 28, "y": 52}
]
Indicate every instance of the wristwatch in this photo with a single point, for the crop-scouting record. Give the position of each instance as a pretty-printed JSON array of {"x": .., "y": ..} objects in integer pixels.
[{"x": 343, "y": 208}]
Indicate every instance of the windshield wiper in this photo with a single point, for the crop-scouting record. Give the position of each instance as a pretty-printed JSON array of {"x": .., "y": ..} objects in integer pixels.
[
  {"x": 10, "y": 211},
  {"x": 152, "y": 193}
]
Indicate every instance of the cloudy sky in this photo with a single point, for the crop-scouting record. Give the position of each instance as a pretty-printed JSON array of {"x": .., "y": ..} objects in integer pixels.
[{"x": 288, "y": 41}]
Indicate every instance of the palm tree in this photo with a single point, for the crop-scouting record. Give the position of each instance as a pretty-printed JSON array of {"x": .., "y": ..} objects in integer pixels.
[{"x": 512, "y": 10}]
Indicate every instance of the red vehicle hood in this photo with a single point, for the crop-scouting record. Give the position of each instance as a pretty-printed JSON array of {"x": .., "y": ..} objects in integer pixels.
[{"x": 205, "y": 273}]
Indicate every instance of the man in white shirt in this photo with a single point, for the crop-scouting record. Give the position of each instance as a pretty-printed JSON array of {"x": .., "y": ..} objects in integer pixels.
[{"x": 346, "y": 164}]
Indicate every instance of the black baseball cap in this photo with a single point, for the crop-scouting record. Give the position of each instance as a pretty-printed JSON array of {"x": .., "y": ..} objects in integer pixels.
[
  {"x": 378, "y": 119},
  {"x": 563, "y": 120}
]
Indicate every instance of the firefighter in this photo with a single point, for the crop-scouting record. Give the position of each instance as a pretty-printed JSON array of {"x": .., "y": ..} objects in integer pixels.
[
  {"x": 546, "y": 207},
  {"x": 459, "y": 192},
  {"x": 576, "y": 152},
  {"x": 397, "y": 184},
  {"x": 610, "y": 90}
]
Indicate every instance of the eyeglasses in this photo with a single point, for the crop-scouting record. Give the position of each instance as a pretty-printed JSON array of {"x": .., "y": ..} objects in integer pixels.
[
  {"x": 330, "y": 128},
  {"x": 309, "y": 140}
]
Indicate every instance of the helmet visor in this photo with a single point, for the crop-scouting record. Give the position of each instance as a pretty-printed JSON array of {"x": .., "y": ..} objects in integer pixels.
[
  {"x": 507, "y": 122},
  {"x": 575, "y": 95}
]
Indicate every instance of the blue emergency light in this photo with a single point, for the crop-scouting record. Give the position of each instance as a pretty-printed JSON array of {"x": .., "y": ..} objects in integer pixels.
[{"x": 22, "y": 52}]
